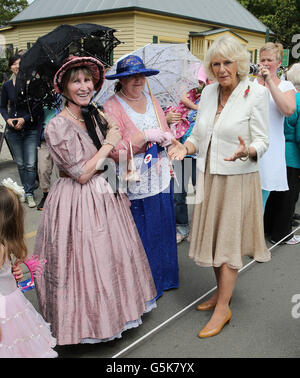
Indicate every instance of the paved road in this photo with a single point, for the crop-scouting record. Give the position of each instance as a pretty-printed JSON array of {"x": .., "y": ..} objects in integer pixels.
[{"x": 265, "y": 322}]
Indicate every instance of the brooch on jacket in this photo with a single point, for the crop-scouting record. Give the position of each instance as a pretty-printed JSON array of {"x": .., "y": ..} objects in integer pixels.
[{"x": 247, "y": 91}]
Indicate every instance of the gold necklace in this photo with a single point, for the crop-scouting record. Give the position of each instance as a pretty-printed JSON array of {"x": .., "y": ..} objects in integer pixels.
[
  {"x": 73, "y": 115},
  {"x": 220, "y": 99}
]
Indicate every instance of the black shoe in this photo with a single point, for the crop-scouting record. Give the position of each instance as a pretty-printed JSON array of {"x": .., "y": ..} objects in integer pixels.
[
  {"x": 40, "y": 206},
  {"x": 275, "y": 242},
  {"x": 292, "y": 240},
  {"x": 296, "y": 216}
]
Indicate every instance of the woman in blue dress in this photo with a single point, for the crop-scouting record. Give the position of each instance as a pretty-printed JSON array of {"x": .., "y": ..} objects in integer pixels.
[{"x": 142, "y": 123}]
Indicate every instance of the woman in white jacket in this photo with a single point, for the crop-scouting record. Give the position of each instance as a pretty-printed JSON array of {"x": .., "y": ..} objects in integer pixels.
[{"x": 230, "y": 136}]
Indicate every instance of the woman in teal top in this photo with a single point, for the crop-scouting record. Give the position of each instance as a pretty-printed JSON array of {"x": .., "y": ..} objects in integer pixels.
[
  {"x": 292, "y": 135},
  {"x": 282, "y": 208}
]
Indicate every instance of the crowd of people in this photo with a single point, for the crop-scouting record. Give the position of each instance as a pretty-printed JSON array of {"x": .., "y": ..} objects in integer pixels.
[{"x": 112, "y": 219}]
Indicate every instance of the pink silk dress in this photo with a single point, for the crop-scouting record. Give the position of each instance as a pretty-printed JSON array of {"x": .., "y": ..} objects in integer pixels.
[{"x": 97, "y": 282}]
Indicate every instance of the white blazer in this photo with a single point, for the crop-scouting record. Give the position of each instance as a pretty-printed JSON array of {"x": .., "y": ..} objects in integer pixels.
[{"x": 243, "y": 115}]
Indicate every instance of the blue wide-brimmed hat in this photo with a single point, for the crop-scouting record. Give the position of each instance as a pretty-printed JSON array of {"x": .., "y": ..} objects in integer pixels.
[{"x": 131, "y": 65}]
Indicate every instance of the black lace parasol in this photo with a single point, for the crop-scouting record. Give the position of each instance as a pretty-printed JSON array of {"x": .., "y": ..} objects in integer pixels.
[{"x": 40, "y": 63}]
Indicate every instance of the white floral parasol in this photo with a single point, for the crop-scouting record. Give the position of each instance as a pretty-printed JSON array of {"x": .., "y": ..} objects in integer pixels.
[{"x": 178, "y": 72}]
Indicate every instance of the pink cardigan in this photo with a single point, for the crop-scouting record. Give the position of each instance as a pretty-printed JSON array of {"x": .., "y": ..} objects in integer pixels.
[{"x": 128, "y": 129}]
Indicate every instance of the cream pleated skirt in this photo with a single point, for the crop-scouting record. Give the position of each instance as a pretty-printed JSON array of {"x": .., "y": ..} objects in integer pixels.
[{"x": 228, "y": 223}]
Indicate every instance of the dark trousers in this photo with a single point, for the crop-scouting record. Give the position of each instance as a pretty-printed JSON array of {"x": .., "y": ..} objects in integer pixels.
[
  {"x": 1, "y": 141},
  {"x": 280, "y": 208},
  {"x": 184, "y": 170}
]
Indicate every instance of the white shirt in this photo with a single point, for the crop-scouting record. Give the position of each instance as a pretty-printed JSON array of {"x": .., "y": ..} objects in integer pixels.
[{"x": 272, "y": 165}]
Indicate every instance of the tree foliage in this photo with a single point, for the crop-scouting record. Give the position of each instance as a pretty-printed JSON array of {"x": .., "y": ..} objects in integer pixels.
[
  {"x": 10, "y": 8},
  {"x": 281, "y": 16}
]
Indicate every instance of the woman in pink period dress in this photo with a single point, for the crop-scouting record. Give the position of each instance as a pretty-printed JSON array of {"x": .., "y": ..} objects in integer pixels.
[{"x": 97, "y": 282}]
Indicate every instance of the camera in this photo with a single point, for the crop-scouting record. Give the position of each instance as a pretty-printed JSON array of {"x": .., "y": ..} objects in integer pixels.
[{"x": 254, "y": 69}]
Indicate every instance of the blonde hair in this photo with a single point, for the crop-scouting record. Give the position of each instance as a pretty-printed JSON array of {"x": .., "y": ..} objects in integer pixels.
[
  {"x": 11, "y": 225},
  {"x": 230, "y": 49},
  {"x": 276, "y": 48},
  {"x": 293, "y": 75}
]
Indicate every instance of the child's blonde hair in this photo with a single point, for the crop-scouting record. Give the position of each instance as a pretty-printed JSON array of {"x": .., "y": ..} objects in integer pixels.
[{"x": 11, "y": 225}]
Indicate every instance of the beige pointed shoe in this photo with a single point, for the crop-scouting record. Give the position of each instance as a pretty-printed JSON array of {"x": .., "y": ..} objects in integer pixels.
[{"x": 207, "y": 332}]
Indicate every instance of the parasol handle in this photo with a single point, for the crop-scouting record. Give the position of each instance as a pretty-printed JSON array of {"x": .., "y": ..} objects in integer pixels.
[
  {"x": 132, "y": 159},
  {"x": 160, "y": 125},
  {"x": 152, "y": 99},
  {"x": 98, "y": 110}
]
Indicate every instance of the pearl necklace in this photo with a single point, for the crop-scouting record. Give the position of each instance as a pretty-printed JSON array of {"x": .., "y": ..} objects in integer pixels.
[
  {"x": 73, "y": 115},
  {"x": 131, "y": 99}
]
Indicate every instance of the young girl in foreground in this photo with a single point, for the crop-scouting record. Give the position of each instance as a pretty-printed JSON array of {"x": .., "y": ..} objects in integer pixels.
[{"x": 23, "y": 332}]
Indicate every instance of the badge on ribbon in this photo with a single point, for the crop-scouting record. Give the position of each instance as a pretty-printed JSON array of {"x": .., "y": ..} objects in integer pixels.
[{"x": 151, "y": 156}]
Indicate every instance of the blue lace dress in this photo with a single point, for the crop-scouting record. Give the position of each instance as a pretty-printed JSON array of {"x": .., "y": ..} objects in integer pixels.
[{"x": 152, "y": 207}]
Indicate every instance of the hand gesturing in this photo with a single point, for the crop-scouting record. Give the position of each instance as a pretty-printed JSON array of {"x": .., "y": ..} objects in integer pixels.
[
  {"x": 241, "y": 152},
  {"x": 177, "y": 151}
]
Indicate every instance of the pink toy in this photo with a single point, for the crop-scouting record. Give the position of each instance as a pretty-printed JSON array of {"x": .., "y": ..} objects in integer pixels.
[{"x": 35, "y": 267}]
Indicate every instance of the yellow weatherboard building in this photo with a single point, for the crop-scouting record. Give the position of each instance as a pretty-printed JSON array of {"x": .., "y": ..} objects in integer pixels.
[{"x": 195, "y": 22}]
